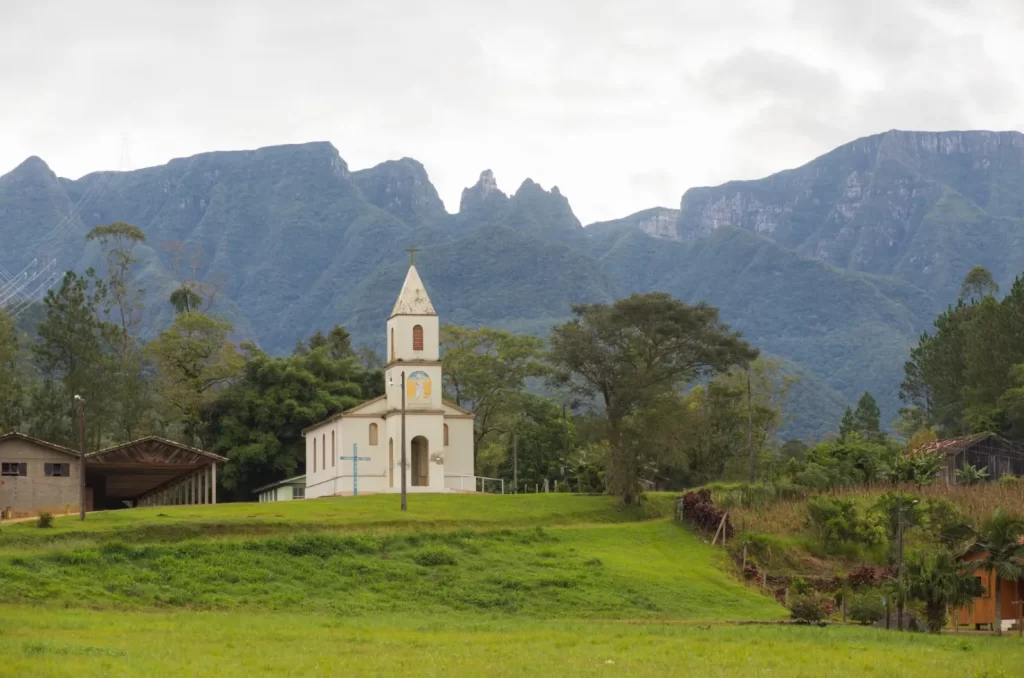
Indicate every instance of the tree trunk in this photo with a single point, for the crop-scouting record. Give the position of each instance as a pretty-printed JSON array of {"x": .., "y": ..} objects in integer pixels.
[{"x": 623, "y": 466}]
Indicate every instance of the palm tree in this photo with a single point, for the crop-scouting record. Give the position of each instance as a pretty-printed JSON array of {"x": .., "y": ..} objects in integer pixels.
[
  {"x": 940, "y": 582},
  {"x": 1001, "y": 539}
]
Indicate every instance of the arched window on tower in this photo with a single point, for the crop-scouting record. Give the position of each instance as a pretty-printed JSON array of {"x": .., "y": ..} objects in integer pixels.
[
  {"x": 446, "y": 435},
  {"x": 392, "y": 343},
  {"x": 373, "y": 434},
  {"x": 417, "y": 338}
]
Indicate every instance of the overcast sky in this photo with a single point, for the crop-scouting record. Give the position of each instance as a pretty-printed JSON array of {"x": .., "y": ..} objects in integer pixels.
[{"x": 622, "y": 104}]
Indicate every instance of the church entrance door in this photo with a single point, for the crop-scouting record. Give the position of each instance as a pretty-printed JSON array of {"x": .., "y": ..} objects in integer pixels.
[{"x": 420, "y": 462}]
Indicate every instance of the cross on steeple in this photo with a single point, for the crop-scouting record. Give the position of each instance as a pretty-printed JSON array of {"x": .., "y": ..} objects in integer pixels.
[{"x": 412, "y": 255}]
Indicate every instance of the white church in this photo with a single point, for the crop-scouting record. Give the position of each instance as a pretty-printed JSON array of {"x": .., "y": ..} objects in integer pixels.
[{"x": 438, "y": 434}]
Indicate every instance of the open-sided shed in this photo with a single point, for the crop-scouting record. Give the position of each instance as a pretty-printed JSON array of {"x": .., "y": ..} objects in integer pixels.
[
  {"x": 151, "y": 471},
  {"x": 988, "y": 451}
]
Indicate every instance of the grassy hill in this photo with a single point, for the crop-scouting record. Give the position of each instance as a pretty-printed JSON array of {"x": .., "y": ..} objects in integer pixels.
[{"x": 502, "y": 585}]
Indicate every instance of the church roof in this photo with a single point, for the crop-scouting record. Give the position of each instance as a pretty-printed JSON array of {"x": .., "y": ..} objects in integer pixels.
[{"x": 413, "y": 299}]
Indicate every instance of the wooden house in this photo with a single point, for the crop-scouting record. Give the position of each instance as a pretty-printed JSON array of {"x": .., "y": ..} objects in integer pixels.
[
  {"x": 989, "y": 451},
  {"x": 982, "y": 611}
]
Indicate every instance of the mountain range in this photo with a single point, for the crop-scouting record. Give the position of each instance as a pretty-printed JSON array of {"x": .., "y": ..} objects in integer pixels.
[{"x": 834, "y": 267}]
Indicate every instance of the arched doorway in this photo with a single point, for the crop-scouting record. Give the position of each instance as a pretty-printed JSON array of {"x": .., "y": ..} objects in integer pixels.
[{"x": 420, "y": 465}]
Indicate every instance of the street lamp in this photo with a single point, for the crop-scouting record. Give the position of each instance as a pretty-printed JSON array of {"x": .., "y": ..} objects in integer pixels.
[
  {"x": 81, "y": 456},
  {"x": 899, "y": 572}
]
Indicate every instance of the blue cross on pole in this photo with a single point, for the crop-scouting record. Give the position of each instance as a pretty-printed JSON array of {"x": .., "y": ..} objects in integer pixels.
[{"x": 355, "y": 459}]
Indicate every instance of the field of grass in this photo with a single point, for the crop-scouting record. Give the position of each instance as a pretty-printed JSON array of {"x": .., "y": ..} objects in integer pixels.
[
  {"x": 506, "y": 585},
  {"x": 89, "y": 643}
]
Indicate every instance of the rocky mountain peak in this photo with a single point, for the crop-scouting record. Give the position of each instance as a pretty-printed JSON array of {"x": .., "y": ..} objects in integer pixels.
[
  {"x": 403, "y": 188},
  {"x": 32, "y": 167},
  {"x": 484, "y": 193}
]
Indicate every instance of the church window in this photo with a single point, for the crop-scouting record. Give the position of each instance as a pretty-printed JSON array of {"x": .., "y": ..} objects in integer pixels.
[
  {"x": 417, "y": 338},
  {"x": 446, "y": 435},
  {"x": 392, "y": 343},
  {"x": 323, "y": 451},
  {"x": 314, "y": 454},
  {"x": 373, "y": 434},
  {"x": 333, "y": 449}
]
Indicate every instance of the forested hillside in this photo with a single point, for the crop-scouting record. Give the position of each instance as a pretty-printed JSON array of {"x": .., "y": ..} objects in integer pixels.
[{"x": 835, "y": 267}]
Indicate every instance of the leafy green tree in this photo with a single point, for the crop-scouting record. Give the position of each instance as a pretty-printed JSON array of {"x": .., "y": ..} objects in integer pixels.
[
  {"x": 69, "y": 358},
  {"x": 1000, "y": 541},
  {"x": 193, "y": 359},
  {"x": 486, "y": 370},
  {"x": 633, "y": 352},
  {"x": 978, "y": 284},
  {"x": 540, "y": 441},
  {"x": 12, "y": 376},
  {"x": 122, "y": 310},
  {"x": 257, "y": 421}
]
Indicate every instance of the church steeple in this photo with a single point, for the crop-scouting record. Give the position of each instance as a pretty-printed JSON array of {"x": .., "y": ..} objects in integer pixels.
[{"x": 413, "y": 299}]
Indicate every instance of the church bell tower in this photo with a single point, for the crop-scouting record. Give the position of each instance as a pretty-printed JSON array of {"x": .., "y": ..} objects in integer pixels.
[{"x": 413, "y": 346}]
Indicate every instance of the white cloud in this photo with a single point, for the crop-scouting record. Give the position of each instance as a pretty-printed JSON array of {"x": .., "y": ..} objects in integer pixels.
[{"x": 622, "y": 105}]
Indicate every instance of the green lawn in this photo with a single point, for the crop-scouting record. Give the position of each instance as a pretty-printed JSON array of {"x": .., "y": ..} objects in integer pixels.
[
  {"x": 548, "y": 584},
  {"x": 89, "y": 643}
]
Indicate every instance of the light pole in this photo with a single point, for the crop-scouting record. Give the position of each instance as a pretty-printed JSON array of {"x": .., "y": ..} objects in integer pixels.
[
  {"x": 405, "y": 505},
  {"x": 899, "y": 571},
  {"x": 81, "y": 456}
]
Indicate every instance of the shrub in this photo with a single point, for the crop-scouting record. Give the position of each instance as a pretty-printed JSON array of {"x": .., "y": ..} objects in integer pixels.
[
  {"x": 865, "y": 609},
  {"x": 807, "y": 608},
  {"x": 434, "y": 557},
  {"x": 45, "y": 519},
  {"x": 698, "y": 510},
  {"x": 836, "y": 520}
]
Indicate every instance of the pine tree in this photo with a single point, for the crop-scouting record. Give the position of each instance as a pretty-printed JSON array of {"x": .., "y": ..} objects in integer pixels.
[
  {"x": 846, "y": 426},
  {"x": 866, "y": 418}
]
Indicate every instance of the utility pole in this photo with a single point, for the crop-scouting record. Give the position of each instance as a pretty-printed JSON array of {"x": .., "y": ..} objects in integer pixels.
[
  {"x": 899, "y": 567},
  {"x": 750, "y": 432},
  {"x": 81, "y": 456},
  {"x": 565, "y": 455},
  {"x": 515, "y": 463},
  {"x": 405, "y": 504}
]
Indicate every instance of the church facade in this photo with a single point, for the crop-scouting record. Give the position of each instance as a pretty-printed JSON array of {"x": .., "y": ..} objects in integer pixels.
[{"x": 364, "y": 444}]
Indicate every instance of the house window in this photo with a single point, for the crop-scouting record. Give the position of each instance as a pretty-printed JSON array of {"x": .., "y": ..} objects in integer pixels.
[
  {"x": 373, "y": 434},
  {"x": 446, "y": 435},
  {"x": 13, "y": 468},
  {"x": 57, "y": 470},
  {"x": 298, "y": 492},
  {"x": 984, "y": 589},
  {"x": 333, "y": 449},
  {"x": 314, "y": 454},
  {"x": 417, "y": 338}
]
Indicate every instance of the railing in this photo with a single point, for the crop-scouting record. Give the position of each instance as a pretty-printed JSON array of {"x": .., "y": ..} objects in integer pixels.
[{"x": 455, "y": 481}]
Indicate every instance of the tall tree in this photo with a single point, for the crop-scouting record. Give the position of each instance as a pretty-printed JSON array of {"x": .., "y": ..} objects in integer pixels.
[
  {"x": 847, "y": 425},
  {"x": 633, "y": 352},
  {"x": 12, "y": 376},
  {"x": 122, "y": 311},
  {"x": 194, "y": 358},
  {"x": 486, "y": 370},
  {"x": 257, "y": 422},
  {"x": 978, "y": 284},
  {"x": 69, "y": 357},
  {"x": 866, "y": 418}
]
